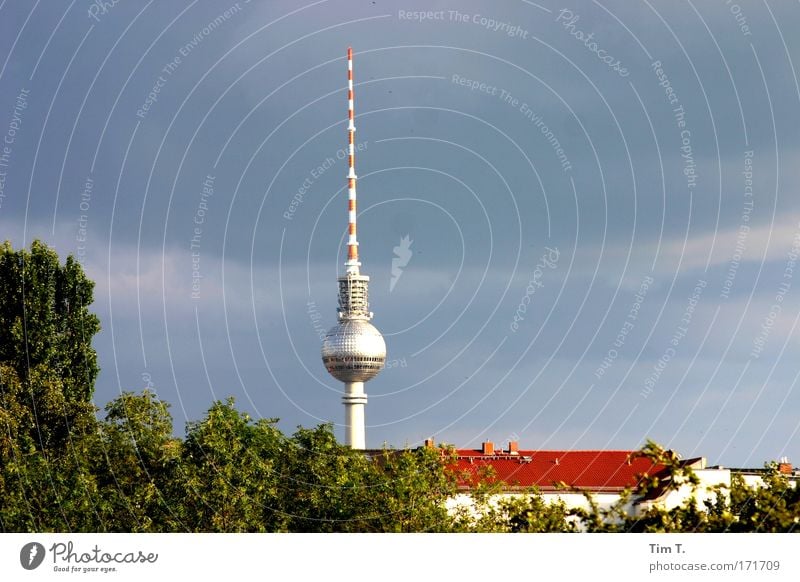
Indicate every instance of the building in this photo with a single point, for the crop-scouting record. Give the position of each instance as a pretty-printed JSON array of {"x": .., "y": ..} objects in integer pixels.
[{"x": 568, "y": 476}]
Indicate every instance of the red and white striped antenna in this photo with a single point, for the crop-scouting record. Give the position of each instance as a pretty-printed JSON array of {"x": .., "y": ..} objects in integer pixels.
[{"x": 352, "y": 263}]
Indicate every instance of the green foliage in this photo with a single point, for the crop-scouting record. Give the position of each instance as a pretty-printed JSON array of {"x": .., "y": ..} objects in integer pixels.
[
  {"x": 46, "y": 483},
  {"x": 45, "y": 320},
  {"x": 675, "y": 475},
  {"x": 410, "y": 489},
  {"x": 227, "y": 478},
  {"x": 239, "y": 475},
  {"x": 775, "y": 507},
  {"x": 47, "y": 374},
  {"x": 135, "y": 458},
  {"x": 323, "y": 482},
  {"x": 528, "y": 512}
]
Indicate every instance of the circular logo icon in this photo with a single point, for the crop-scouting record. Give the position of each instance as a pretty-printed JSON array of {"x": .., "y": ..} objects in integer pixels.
[{"x": 31, "y": 555}]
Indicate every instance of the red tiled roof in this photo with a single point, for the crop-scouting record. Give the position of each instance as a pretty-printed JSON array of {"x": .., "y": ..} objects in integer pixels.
[{"x": 589, "y": 470}]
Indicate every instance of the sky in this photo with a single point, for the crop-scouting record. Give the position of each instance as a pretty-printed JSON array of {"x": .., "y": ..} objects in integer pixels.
[{"x": 580, "y": 220}]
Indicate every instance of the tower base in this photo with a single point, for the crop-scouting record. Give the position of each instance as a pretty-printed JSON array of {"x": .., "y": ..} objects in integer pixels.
[{"x": 354, "y": 400}]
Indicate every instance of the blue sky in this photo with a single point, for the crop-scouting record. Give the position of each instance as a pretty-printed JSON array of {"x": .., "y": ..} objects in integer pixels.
[{"x": 601, "y": 199}]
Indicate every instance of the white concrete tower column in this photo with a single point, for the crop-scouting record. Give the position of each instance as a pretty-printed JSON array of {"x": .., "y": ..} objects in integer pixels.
[{"x": 355, "y": 401}]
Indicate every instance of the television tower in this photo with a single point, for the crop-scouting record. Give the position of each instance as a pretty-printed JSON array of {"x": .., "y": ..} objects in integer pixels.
[{"x": 353, "y": 350}]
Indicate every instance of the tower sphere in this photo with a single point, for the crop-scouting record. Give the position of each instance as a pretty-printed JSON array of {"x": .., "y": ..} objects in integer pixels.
[{"x": 353, "y": 351}]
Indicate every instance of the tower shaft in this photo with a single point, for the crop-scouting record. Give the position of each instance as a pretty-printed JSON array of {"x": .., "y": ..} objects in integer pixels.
[
  {"x": 353, "y": 351},
  {"x": 355, "y": 402},
  {"x": 353, "y": 289}
]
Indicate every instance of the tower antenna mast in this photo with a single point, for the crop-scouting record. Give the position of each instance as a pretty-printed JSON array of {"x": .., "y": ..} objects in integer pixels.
[{"x": 352, "y": 263}]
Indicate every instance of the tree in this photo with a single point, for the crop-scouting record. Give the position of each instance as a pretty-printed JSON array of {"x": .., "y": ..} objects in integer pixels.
[
  {"x": 47, "y": 364},
  {"x": 45, "y": 318},
  {"x": 136, "y": 464},
  {"x": 532, "y": 514},
  {"x": 47, "y": 374},
  {"x": 771, "y": 507},
  {"x": 327, "y": 487},
  {"x": 227, "y": 476},
  {"x": 46, "y": 483},
  {"x": 527, "y": 512},
  {"x": 672, "y": 475},
  {"x": 410, "y": 490}
]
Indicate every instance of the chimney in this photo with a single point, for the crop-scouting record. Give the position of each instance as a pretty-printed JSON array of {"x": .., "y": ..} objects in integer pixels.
[
  {"x": 513, "y": 447},
  {"x": 488, "y": 448},
  {"x": 429, "y": 443},
  {"x": 784, "y": 466}
]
